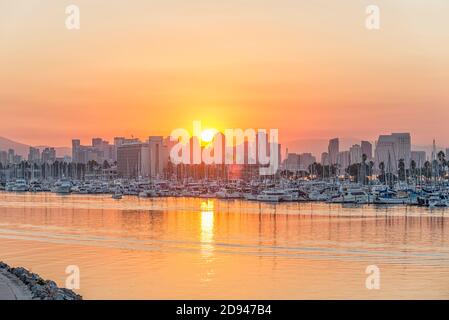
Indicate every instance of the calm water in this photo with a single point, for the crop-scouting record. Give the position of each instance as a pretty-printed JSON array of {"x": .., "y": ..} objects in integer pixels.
[{"x": 178, "y": 248}]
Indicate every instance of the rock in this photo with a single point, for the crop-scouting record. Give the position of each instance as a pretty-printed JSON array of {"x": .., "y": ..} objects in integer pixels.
[{"x": 41, "y": 289}]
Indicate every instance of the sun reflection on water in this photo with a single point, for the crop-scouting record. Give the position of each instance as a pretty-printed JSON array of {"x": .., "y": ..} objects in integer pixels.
[{"x": 207, "y": 227}]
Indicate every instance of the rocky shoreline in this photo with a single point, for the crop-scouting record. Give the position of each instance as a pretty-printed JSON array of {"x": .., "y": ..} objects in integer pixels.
[{"x": 40, "y": 289}]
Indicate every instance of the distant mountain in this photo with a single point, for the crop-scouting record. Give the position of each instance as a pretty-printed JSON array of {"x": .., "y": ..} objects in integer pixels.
[
  {"x": 23, "y": 149},
  {"x": 20, "y": 148}
]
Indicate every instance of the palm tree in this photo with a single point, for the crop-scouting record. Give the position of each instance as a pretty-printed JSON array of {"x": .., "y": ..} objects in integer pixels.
[
  {"x": 371, "y": 166},
  {"x": 442, "y": 163},
  {"x": 413, "y": 169},
  {"x": 401, "y": 169},
  {"x": 427, "y": 169},
  {"x": 382, "y": 169}
]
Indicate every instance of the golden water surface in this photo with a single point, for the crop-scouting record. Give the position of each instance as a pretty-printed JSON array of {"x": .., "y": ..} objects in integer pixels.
[{"x": 182, "y": 248}]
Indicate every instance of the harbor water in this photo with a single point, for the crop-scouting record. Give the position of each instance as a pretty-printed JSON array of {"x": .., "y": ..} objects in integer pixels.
[{"x": 186, "y": 248}]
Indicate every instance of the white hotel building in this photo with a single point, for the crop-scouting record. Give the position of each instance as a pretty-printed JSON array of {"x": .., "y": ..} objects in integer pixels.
[{"x": 391, "y": 148}]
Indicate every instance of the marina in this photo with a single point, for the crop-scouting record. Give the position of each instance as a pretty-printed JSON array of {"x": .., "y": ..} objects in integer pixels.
[{"x": 428, "y": 195}]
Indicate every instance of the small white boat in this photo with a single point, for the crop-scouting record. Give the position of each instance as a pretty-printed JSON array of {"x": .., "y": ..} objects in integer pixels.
[
  {"x": 117, "y": 196},
  {"x": 351, "y": 196},
  {"x": 63, "y": 187},
  {"x": 272, "y": 196},
  {"x": 439, "y": 202},
  {"x": 20, "y": 186}
]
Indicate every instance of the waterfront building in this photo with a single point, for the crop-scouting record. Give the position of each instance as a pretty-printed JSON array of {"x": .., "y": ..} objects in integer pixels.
[
  {"x": 3, "y": 158},
  {"x": 333, "y": 150},
  {"x": 392, "y": 148},
  {"x": 157, "y": 156},
  {"x": 99, "y": 151},
  {"x": 355, "y": 154},
  {"x": 11, "y": 154},
  {"x": 48, "y": 155},
  {"x": 34, "y": 155},
  {"x": 325, "y": 159},
  {"x": 133, "y": 160},
  {"x": 343, "y": 160},
  {"x": 305, "y": 160},
  {"x": 367, "y": 149},
  {"x": 292, "y": 162}
]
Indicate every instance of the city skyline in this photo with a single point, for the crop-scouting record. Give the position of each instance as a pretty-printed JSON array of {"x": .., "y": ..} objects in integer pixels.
[{"x": 288, "y": 146}]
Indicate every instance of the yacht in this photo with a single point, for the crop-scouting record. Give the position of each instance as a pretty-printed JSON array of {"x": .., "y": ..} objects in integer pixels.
[
  {"x": 117, "y": 195},
  {"x": 63, "y": 187},
  {"x": 228, "y": 194},
  {"x": 21, "y": 186},
  {"x": 351, "y": 196},
  {"x": 392, "y": 197},
  {"x": 434, "y": 200},
  {"x": 273, "y": 196}
]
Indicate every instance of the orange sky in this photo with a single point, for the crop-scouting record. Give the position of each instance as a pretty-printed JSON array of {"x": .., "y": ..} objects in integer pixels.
[{"x": 309, "y": 68}]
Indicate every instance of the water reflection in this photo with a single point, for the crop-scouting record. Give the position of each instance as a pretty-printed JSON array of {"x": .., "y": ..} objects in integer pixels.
[
  {"x": 168, "y": 248},
  {"x": 207, "y": 240},
  {"x": 207, "y": 228}
]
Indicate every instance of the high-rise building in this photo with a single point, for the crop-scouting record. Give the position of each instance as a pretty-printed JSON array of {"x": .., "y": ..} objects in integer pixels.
[
  {"x": 133, "y": 160},
  {"x": 305, "y": 160},
  {"x": 34, "y": 155},
  {"x": 333, "y": 150},
  {"x": 99, "y": 152},
  {"x": 48, "y": 155},
  {"x": 325, "y": 159},
  {"x": 158, "y": 160},
  {"x": 3, "y": 158},
  {"x": 343, "y": 160},
  {"x": 97, "y": 142},
  {"x": 76, "y": 156},
  {"x": 355, "y": 154},
  {"x": 403, "y": 147},
  {"x": 292, "y": 162},
  {"x": 390, "y": 149},
  {"x": 367, "y": 149},
  {"x": 11, "y": 154}
]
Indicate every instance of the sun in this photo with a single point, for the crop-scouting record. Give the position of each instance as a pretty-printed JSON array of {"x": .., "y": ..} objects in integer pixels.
[{"x": 208, "y": 135}]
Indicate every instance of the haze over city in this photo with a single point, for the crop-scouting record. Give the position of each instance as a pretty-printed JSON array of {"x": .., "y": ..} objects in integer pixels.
[{"x": 309, "y": 69}]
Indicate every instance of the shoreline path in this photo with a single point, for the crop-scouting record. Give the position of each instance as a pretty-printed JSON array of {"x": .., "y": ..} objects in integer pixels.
[{"x": 11, "y": 288}]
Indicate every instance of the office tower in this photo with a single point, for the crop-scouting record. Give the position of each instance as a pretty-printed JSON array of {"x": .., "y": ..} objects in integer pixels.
[
  {"x": 343, "y": 160},
  {"x": 11, "y": 154},
  {"x": 34, "y": 155},
  {"x": 325, "y": 159},
  {"x": 392, "y": 148},
  {"x": 333, "y": 150},
  {"x": 292, "y": 162},
  {"x": 355, "y": 154},
  {"x": 157, "y": 156},
  {"x": 305, "y": 160},
  {"x": 367, "y": 149},
  {"x": 48, "y": 155},
  {"x": 133, "y": 160},
  {"x": 3, "y": 158}
]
